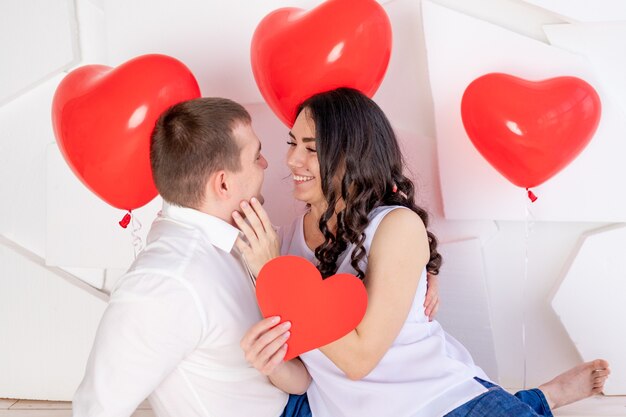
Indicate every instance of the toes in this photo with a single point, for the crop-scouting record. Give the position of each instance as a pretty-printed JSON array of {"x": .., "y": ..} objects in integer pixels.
[
  {"x": 597, "y": 390},
  {"x": 599, "y": 382},
  {"x": 601, "y": 373},
  {"x": 599, "y": 364}
]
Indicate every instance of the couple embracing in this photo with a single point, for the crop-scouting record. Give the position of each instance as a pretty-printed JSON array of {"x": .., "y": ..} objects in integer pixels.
[{"x": 183, "y": 328}]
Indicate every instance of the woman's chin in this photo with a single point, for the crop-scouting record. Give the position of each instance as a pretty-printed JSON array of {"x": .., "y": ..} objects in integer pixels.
[{"x": 301, "y": 195}]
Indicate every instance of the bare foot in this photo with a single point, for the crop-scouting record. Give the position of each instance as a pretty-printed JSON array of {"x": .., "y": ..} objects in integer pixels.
[{"x": 580, "y": 382}]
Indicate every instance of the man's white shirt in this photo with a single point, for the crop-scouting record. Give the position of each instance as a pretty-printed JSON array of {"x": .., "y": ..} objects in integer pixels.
[{"x": 172, "y": 329}]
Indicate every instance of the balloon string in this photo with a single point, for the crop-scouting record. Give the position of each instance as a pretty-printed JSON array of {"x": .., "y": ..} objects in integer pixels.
[
  {"x": 137, "y": 241},
  {"x": 528, "y": 230}
]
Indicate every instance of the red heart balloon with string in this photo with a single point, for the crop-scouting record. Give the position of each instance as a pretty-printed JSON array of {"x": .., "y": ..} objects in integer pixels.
[
  {"x": 320, "y": 311},
  {"x": 530, "y": 130},
  {"x": 103, "y": 118},
  {"x": 341, "y": 43}
]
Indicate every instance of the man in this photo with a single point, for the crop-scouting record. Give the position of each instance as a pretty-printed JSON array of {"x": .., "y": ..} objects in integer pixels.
[{"x": 174, "y": 322}]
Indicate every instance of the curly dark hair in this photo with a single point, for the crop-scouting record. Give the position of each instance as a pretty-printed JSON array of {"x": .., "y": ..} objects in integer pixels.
[{"x": 355, "y": 139}]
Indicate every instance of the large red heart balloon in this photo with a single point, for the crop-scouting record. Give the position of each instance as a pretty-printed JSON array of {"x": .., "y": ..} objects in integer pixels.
[
  {"x": 320, "y": 311},
  {"x": 529, "y": 130},
  {"x": 341, "y": 43},
  {"x": 103, "y": 118}
]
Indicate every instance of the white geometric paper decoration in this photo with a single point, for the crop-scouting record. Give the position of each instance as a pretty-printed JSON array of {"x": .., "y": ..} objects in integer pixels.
[{"x": 590, "y": 301}]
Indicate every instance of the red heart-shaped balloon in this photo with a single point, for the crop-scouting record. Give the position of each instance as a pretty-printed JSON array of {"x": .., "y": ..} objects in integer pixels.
[
  {"x": 320, "y": 311},
  {"x": 529, "y": 130},
  {"x": 103, "y": 118},
  {"x": 341, "y": 43}
]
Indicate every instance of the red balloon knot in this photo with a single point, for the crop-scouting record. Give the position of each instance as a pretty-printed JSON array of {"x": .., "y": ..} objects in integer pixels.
[
  {"x": 531, "y": 196},
  {"x": 125, "y": 221}
]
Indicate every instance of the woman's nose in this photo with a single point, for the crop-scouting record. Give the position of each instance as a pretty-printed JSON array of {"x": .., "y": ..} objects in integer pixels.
[{"x": 294, "y": 159}]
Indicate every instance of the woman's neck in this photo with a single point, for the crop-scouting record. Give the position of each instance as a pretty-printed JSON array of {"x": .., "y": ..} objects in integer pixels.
[{"x": 312, "y": 233}]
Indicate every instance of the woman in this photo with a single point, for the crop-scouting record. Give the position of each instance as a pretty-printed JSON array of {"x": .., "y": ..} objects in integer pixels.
[{"x": 362, "y": 219}]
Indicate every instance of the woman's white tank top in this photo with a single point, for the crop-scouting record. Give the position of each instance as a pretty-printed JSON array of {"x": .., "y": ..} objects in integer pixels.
[{"x": 425, "y": 373}]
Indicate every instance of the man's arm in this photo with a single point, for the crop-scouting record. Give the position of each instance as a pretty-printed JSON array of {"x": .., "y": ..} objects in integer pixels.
[{"x": 150, "y": 325}]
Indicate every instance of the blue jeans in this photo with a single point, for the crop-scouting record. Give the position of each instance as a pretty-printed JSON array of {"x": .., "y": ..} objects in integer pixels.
[
  {"x": 497, "y": 402},
  {"x": 297, "y": 406}
]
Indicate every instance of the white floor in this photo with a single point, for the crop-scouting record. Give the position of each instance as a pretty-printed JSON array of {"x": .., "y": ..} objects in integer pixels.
[
  {"x": 27, "y": 408},
  {"x": 592, "y": 407},
  {"x": 597, "y": 406}
]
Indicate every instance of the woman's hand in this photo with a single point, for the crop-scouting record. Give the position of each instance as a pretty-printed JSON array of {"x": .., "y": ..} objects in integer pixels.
[
  {"x": 262, "y": 243},
  {"x": 431, "y": 303},
  {"x": 264, "y": 344}
]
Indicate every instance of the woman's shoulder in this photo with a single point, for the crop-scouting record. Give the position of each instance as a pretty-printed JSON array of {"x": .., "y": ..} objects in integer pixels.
[
  {"x": 400, "y": 229},
  {"x": 395, "y": 216}
]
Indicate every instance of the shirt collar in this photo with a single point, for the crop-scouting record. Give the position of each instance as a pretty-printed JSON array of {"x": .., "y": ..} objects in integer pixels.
[{"x": 220, "y": 233}]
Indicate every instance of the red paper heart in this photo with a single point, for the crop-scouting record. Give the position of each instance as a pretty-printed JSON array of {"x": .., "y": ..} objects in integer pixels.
[
  {"x": 341, "y": 43},
  {"x": 320, "y": 311},
  {"x": 529, "y": 130},
  {"x": 103, "y": 118}
]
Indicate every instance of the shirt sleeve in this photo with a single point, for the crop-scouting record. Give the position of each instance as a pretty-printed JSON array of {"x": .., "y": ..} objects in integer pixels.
[{"x": 150, "y": 325}]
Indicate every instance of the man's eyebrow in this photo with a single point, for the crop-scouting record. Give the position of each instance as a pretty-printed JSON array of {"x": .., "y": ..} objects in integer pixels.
[{"x": 303, "y": 139}]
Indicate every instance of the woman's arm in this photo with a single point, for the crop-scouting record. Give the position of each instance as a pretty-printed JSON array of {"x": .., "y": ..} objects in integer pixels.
[{"x": 398, "y": 254}]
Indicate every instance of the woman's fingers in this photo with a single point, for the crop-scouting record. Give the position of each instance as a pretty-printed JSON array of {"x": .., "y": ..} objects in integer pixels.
[
  {"x": 253, "y": 219},
  {"x": 262, "y": 214},
  {"x": 272, "y": 354},
  {"x": 245, "y": 227},
  {"x": 431, "y": 311},
  {"x": 266, "y": 339},
  {"x": 275, "y": 360},
  {"x": 257, "y": 330},
  {"x": 264, "y": 344}
]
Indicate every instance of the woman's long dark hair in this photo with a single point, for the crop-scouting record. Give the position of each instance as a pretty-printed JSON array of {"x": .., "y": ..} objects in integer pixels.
[{"x": 355, "y": 139}]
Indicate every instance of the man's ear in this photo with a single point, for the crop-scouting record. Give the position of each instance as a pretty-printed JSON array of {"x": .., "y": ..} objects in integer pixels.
[{"x": 218, "y": 185}]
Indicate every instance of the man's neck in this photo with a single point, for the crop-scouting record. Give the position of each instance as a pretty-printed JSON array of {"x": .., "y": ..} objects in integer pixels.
[{"x": 218, "y": 211}]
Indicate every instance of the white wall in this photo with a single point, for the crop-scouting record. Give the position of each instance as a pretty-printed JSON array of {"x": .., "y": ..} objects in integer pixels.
[{"x": 212, "y": 38}]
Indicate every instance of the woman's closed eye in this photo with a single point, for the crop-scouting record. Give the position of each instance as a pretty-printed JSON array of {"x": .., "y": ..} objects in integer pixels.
[{"x": 292, "y": 143}]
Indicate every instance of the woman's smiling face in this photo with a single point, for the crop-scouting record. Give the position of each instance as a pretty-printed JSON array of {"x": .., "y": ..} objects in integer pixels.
[{"x": 302, "y": 160}]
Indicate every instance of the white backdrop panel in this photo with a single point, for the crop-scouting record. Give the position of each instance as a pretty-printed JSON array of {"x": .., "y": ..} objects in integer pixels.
[
  {"x": 585, "y": 10},
  {"x": 91, "y": 31},
  {"x": 47, "y": 326},
  {"x": 82, "y": 230},
  {"x": 26, "y": 131},
  {"x": 465, "y": 311},
  {"x": 460, "y": 49},
  {"x": 605, "y": 46},
  {"x": 37, "y": 40},
  {"x": 211, "y": 37},
  {"x": 590, "y": 302}
]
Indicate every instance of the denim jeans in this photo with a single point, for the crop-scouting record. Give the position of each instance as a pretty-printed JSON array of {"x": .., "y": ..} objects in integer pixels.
[
  {"x": 497, "y": 402},
  {"x": 297, "y": 406}
]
